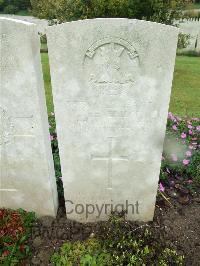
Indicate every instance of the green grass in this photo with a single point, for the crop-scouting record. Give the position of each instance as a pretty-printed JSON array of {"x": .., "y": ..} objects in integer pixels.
[
  {"x": 185, "y": 99},
  {"x": 43, "y": 45},
  {"x": 23, "y": 13},
  {"x": 47, "y": 82}
]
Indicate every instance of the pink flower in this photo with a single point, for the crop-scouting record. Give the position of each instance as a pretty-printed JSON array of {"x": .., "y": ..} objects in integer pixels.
[
  {"x": 186, "y": 162},
  {"x": 174, "y": 127},
  {"x": 190, "y": 126},
  {"x": 174, "y": 158},
  {"x": 198, "y": 128},
  {"x": 189, "y": 181},
  {"x": 191, "y": 147},
  {"x": 188, "y": 153},
  {"x": 190, "y": 132},
  {"x": 161, "y": 187},
  {"x": 183, "y": 135},
  {"x": 51, "y": 138},
  {"x": 170, "y": 115}
]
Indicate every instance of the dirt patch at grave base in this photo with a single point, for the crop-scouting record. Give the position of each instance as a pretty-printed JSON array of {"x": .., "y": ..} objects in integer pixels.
[
  {"x": 177, "y": 227},
  {"x": 180, "y": 229}
]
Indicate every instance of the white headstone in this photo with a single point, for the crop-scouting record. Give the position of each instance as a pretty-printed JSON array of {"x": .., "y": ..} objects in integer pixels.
[
  {"x": 111, "y": 84},
  {"x": 26, "y": 165},
  {"x": 198, "y": 43},
  {"x": 190, "y": 28}
]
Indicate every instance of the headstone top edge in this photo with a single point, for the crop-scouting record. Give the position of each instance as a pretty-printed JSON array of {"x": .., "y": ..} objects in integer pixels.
[
  {"x": 145, "y": 22},
  {"x": 17, "y": 21}
]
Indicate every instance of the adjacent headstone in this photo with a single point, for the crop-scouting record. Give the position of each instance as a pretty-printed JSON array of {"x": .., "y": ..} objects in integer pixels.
[
  {"x": 191, "y": 28},
  {"x": 111, "y": 84},
  {"x": 42, "y": 24},
  {"x": 198, "y": 43},
  {"x": 26, "y": 165}
]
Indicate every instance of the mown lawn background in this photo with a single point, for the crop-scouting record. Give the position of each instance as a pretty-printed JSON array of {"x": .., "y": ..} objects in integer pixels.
[
  {"x": 185, "y": 98},
  {"x": 47, "y": 82}
]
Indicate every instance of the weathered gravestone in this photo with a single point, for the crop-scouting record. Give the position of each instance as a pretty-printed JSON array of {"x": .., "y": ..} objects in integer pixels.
[
  {"x": 111, "y": 84},
  {"x": 191, "y": 28},
  {"x": 26, "y": 166},
  {"x": 198, "y": 43}
]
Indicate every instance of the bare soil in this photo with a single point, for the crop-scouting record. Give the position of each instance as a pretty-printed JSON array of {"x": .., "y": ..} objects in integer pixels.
[{"x": 176, "y": 225}]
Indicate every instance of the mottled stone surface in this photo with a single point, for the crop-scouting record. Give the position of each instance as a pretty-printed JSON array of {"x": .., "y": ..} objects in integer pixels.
[
  {"x": 198, "y": 42},
  {"x": 26, "y": 165},
  {"x": 111, "y": 85},
  {"x": 42, "y": 24}
]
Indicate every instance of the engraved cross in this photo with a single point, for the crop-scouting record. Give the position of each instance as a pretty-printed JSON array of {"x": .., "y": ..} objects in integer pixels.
[{"x": 109, "y": 158}]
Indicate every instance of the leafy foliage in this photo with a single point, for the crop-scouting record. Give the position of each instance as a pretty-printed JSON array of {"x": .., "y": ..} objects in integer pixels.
[
  {"x": 67, "y": 10},
  {"x": 180, "y": 171},
  {"x": 15, "y": 229},
  {"x": 55, "y": 151},
  {"x": 183, "y": 40},
  {"x": 182, "y": 147},
  {"x": 22, "y": 4},
  {"x": 10, "y": 9},
  {"x": 88, "y": 253},
  {"x": 12, "y": 6},
  {"x": 118, "y": 244}
]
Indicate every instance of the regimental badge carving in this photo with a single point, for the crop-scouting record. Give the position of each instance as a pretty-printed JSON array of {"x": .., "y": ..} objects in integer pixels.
[
  {"x": 6, "y": 127},
  {"x": 111, "y": 61}
]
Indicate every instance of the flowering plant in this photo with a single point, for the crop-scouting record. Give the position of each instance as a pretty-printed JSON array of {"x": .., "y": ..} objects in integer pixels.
[
  {"x": 55, "y": 151},
  {"x": 181, "y": 156}
]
